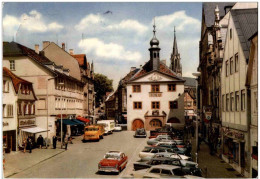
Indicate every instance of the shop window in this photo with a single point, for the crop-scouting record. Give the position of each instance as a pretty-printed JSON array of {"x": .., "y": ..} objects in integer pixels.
[
  {"x": 137, "y": 105},
  {"x": 156, "y": 105},
  {"x": 155, "y": 88},
  {"x": 236, "y": 152},
  {"x": 136, "y": 88},
  {"x": 171, "y": 87},
  {"x": 12, "y": 65}
]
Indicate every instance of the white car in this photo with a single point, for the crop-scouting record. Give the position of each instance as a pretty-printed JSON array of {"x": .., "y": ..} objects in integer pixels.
[
  {"x": 158, "y": 171},
  {"x": 148, "y": 152},
  {"x": 172, "y": 155},
  {"x": 118, "y": 128},
  {"x": 158, "y": 139}
]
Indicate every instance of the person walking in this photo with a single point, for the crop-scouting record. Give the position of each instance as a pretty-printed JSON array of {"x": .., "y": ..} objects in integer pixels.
[
  {"x": 66, "y": 141},
  {"x": 29, "y": 143},
  {"x": 24, "y": 145},
  {"x": 54, "y": 141},
  {"x": 40, "y": 141}
]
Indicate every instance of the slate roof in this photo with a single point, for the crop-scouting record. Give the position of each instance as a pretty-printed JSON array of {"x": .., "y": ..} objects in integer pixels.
[
  {"x": 15, "y": 79},
  {"x": 209, "y": 11},
  {"x": 191, "y": 82},
  {"x": 163, "y": 69},
  {"x": 246, "y": 23}
]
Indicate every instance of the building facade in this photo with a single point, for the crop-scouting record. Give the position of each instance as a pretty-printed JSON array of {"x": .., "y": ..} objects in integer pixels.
[{"x": 155, "y": 94}]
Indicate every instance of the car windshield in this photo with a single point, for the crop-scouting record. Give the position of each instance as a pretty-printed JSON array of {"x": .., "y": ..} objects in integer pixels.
[
  {"x": 112, "y": 156},
  {"x": 146, "y": 150},
  {"x": 92, "y": 129}
]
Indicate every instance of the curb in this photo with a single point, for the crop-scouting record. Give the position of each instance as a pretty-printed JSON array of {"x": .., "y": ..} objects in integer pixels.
[{"x": 33, "y": 165}]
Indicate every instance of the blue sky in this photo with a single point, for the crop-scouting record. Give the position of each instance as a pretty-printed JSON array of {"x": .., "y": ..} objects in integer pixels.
[{"x": 115, "y": 42}]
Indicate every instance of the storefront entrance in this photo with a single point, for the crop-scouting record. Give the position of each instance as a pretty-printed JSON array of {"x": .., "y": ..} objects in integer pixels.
[
  {"x": 137, "y": 123},
  {"x": 9, "y": 141}
]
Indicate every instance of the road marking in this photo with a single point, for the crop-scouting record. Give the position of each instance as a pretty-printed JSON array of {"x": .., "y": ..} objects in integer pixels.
[{"x": 130, "y": 161}]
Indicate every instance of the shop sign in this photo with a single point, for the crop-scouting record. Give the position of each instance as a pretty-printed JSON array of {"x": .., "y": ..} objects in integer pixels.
[
  {"x": 5, "y": 124},
  {"x": 234, "y": 134},
  {"x": 26, "y": 122}
]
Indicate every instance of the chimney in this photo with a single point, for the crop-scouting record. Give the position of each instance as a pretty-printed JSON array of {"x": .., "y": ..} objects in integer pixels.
[
  {"x": 37, "y": 48},
  {"x": 63, "y": 46},
  {"x": 71, "y": 51},
  {"x": 45, "y": 44},
  {"x": 133, "y": 68},
  {"x": 163, "y": 61}
]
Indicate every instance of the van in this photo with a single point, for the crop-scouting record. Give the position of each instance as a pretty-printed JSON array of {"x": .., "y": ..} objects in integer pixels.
[
  {"x": 108, "y": 124},
  {"x": 93, "y": 132}
]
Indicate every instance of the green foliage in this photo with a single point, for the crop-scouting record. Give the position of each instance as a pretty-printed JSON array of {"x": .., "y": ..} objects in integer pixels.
[{"x": 102, "y": 85}]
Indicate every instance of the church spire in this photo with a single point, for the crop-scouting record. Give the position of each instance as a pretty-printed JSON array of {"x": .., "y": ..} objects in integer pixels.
[
  {"x": 175, "y": 57},
  {"x": 175, "y": 48}
]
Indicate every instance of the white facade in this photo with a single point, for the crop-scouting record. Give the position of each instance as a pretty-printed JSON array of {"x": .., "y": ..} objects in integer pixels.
[{"x": 146, "y": 97}]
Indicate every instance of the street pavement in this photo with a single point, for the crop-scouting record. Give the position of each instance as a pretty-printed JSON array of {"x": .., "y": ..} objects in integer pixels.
[{"x": 79, "y": 161}]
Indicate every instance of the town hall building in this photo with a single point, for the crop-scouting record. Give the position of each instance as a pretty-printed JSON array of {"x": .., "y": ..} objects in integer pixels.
[{"x": 155, "y": 94}]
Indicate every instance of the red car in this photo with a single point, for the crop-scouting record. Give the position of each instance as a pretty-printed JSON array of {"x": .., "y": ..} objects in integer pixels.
[{"x": 114, "y": 161}]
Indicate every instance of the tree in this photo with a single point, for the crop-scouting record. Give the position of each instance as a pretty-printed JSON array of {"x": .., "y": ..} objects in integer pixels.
[{"x": 101, "y": 85}]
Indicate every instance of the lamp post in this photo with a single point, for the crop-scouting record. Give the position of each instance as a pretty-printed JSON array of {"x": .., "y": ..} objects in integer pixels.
[
  {"x": 61, "y": 136},
  {"x": 197, "y": 132}
]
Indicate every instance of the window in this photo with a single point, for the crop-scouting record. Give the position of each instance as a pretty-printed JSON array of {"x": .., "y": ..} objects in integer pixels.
[
  {"x": 173, "y": 104},
  {"x": 227, "y": 102},
  {"x": 243, "y": 100},
  {"x": 33, "y": 109},
  {"x": 155, "y": 88},
  {"x": 171, "y": 87},
  {"x": 231, "y": 101},
  {"x": 19, "y": 108},
  {"x": 166, "y": 172},
  {"x": 136, "y": 88},
  {"x": 4, "y": 109},
  {"x": 237, "y": 101},
  {"x": 9, "y": 110},
  {"x": 137, "y": 105},
  {"x": 155, "y": 170},
  {"x": 230, "y": 33},
  {"x": 223, "y": 102},
  {"x": 231, "y": 66},
  {"x": 154, "y": 55},
  {"x": 5, "y": 86},
  {"x": 156, "y": 105},
  {"x": 227, "y": 66},
  {"x": 236, "y": 63},
  {"x": 155, "y": 123},
  {"x": 12, "y": 65},
  {"x": 178, "y": 172}
]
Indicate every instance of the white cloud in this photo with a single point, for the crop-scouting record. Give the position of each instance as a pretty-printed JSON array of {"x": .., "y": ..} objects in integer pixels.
[
  {"x": 89, "y": 21},
  {"x": 108, "y": 51},
  {"x": 32, "y": 22}
]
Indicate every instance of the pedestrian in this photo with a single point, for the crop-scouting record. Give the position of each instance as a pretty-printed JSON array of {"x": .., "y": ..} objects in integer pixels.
[
  {"x": 66, "y": 141},
  {"x": 24, "y": 145},
  {"x": 54, "y": 141},
  {"x": 29, "y": 143},
  {"x": 40, "y": 141}
]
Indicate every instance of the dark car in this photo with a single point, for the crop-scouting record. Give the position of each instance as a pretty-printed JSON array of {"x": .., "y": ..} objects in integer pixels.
[
  {"x": 179, "y": 150},
  {"x": 188, "y": 167},
  {"x": 140, "y": 133}
]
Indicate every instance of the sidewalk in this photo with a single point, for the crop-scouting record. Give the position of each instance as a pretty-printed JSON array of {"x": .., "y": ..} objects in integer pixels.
[
  {"x": 211, "y": 165},
  {"x": 16, "y": 162}
]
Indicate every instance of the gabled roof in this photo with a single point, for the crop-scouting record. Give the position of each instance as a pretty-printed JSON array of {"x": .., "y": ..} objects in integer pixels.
[
  {"x": 163, "y": 69},
  {"x": 209, "y": 11},
  {"x": 128, "y": 76},
  {"x": 15, "y": 79},
  {"x": 246, "y": 23},
  {"x": 81, "y": 58}
]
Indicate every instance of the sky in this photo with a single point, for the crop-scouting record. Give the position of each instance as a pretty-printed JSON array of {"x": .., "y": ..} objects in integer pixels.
[{"x": 115, "y": 36}]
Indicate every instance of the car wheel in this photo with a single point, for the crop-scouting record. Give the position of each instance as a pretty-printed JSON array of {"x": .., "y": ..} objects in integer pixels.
[{"x": 101, "y": 137}]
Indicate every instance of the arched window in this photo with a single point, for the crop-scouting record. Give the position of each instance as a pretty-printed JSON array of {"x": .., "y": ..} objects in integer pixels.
[{"x": 155, "y": 123}]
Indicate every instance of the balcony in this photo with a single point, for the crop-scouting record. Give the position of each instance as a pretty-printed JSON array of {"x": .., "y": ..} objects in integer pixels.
[{"x": 155, "y": 94}]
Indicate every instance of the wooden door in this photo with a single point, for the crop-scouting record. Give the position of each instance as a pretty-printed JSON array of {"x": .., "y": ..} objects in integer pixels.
[{"x": 137, "y": 123}]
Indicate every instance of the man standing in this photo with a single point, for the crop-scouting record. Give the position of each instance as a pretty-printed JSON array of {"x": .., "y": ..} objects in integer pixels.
[
  {"x": 54, "y": 141},
  {"x": 29, "y": 143},
  {"x": 40, "y": 141},
  {"x": 66, "y": 140}
]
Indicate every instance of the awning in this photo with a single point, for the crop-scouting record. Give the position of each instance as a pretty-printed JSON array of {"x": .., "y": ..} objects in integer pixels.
[
  {"x": 83, "y": 119},
  {"x": 34, "y": 130},
  {"x": 68, "y": 122},
  {"x": 78, "y": 122},
  {"x": 173, "y": 120}
]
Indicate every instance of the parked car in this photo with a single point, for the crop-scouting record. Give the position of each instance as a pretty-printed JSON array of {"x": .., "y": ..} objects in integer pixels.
[
  {"x": 148, "y": 152},
  {"x": 140, "y": 133},
  {"x": 188, "y": 167},
  {"x": 180, "y": 149},
  {"x": 172, "y": 155},
  {"x": 158, "y": 171},
  {"x": 114, "y": 161},
  {"x": 93, "y": 132},
  {"x": 158, "y": 139},
  {"x": 118, "y": 128}
]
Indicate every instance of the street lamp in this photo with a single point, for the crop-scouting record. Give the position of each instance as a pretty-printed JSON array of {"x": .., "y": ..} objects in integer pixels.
[
  {"x": 61, "y": 137},
  {"x": 197, "y": 134}
]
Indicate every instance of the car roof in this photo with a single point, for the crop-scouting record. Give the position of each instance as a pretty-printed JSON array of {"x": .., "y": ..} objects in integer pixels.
[
  {"x": 114, "y": 152},
  {"x": 170, "y": 167},
  {"x": 165, "y": 158},
  {"x": 155, "y": 147}
]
